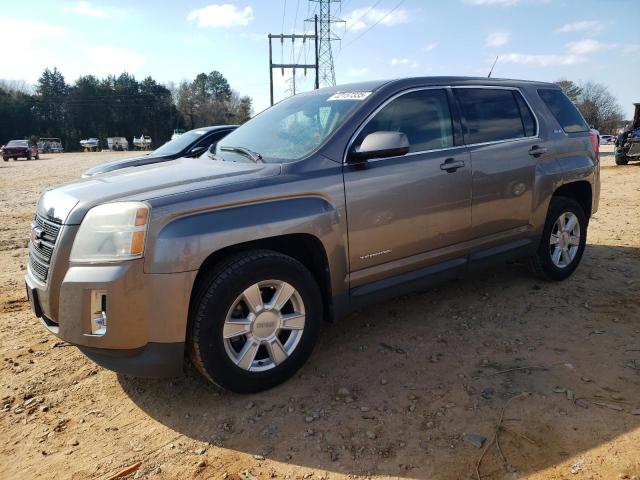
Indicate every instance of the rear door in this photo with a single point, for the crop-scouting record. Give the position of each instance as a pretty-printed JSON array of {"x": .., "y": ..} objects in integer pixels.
[
  {"x": 501, "y": 133},
  {"x": 401, "y": 207}
]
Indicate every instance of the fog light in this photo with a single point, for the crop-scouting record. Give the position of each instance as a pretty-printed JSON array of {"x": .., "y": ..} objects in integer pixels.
[{"x": 98, "y": 312}]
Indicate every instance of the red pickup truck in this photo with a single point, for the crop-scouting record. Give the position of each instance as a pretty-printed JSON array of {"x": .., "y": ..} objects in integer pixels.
[{"x": 20, "y": 148}]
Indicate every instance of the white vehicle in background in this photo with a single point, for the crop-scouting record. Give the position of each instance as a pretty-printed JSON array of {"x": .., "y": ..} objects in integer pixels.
[
  {"x": 607, "y": 139},
  {"x": 90, "y": 144},
  {"x": 118, "y": 144},
  {"x": 142, "y": 143},
  {"x": 177, "y": 132},
  {"x": 50, "y": 145}
]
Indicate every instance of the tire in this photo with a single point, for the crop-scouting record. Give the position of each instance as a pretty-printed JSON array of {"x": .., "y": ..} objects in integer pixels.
[
  {"x": 6, "y": 159},
  {"x": 219, "y": 297},
  {"x": 38, "y": 156},
  {"x": 542, "y": 263},
  {"x": 28, "y": 157},
  {"x": 621, "y": 160}
]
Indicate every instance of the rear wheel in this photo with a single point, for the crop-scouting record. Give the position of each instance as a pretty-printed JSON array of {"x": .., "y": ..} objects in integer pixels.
[
  {"x": 563, "y": 240},
  {"x": 254, "y": 321}
]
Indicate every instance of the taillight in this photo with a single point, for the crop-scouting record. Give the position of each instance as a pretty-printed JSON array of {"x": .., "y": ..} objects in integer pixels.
[{"x": 593, "y": 136}]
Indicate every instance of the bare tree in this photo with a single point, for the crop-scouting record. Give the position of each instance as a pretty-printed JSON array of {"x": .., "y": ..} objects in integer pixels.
[
  {"x": 570, "y": 88},
  {"x": 597, "y": 105}
]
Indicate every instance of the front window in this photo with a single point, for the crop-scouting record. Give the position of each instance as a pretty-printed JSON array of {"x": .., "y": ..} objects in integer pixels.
[
  {"x": 423, "y": 116},
  {"x": 18, "y": 143},
  {"x": 179, "y": 143},
  {"x": 292, "y": 129}
]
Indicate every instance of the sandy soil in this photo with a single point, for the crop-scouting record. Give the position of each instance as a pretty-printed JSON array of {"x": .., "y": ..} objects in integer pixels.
[{"x": 389, "y": 392}]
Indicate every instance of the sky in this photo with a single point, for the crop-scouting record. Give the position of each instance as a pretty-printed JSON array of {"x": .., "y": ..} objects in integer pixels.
[{"x": 581, "y": 40}]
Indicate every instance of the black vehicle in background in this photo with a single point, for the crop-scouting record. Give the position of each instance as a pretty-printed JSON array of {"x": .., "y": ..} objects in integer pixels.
[
  {"x": 628, "y": 142},
  {"x": 190, "y": 144}
]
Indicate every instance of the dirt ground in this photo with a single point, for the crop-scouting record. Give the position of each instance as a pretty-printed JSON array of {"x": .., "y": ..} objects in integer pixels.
[{"x": 389, "y": 392}]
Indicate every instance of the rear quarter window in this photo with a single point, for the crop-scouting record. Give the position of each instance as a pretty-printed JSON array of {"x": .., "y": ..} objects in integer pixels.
[{"x": 564, "y": 110}]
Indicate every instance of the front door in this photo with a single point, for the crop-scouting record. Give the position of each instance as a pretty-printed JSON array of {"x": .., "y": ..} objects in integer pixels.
[{"x": 399, "y": 208}]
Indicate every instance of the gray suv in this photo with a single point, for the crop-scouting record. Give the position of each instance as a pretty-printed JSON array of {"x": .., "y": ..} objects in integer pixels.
[{"x": 324, "y": 203}]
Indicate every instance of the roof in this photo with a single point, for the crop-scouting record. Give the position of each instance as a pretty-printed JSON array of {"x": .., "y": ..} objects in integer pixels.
[
  {"x": 421, "y": 81},
  {"x": 211, "y": 128}
]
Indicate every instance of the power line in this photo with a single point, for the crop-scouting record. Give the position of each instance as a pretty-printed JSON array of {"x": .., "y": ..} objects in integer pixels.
[
  {"x": 284, "y": 11},
  {"x": 355, "y": 22},
  {"x": 372, "y": 26},
  {"x": 295, "y": 19}
]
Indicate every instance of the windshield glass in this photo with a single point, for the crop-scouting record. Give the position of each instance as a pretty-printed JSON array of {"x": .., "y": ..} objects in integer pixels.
[
  {"x": 17, "y": 143},
  {"x": 293, "y": 128},
  {"x": 180, "y": 143}
]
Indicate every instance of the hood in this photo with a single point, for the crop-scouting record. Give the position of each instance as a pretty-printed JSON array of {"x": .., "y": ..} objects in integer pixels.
[
  {"x": 69, "y": 203},
  {"x": 125, "y": 163}
]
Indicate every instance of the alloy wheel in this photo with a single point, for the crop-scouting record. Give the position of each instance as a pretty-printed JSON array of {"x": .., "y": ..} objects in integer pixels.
[
  {"x": 564, "y": 241},
  {"x": 264, "y": 325}
]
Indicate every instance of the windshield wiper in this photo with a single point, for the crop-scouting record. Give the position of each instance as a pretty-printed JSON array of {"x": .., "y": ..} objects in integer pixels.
[{"x": 254, "y": 156}]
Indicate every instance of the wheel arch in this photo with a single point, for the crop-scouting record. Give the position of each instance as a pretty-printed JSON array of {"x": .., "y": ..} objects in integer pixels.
[
  {"x": 581, "y": 191},
  {"x": 303, "y": 247}
]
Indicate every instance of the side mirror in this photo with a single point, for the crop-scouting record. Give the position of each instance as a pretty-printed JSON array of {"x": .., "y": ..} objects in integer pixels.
[
  {"x": 195, "y": 151},
  {"x": 380, "y": 145}
]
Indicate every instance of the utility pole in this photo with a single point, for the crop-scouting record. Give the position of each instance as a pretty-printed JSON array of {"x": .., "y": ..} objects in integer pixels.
[
  {"x": 304, "y": 66},
  {"x": 326, "y": 36}
]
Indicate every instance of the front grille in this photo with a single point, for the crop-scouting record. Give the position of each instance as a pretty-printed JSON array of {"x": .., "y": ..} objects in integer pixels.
[{"x": 41, "y": 250}]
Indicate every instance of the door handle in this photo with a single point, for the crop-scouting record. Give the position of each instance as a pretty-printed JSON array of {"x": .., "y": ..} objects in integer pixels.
[
  {"x": 450, "y": 165},
  {"x": 536, "y": 151}
]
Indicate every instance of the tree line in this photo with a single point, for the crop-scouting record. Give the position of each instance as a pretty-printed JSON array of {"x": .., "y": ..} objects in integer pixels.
[
  {"x": 115, "y": 106},
  {"x": 598, "y": 106}
]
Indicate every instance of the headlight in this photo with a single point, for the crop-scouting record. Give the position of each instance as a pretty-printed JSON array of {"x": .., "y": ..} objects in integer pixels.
[{"x": 112, "y": 232}]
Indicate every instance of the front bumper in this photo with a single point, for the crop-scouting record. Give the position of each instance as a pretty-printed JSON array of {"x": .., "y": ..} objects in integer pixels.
[
  {"x": 154, "y": 360},
  {"x": 146, "y": 314}
]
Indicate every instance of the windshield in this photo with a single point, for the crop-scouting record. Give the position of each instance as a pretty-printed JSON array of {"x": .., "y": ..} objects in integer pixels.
[
  {"x": 293, "y": 128},
  {"x": 180, "y": 143},
  {"x": 17, "y": 143}
]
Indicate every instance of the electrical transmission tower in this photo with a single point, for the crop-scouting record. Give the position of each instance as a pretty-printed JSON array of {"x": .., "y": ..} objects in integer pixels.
[{"x": 326, "y": 35}]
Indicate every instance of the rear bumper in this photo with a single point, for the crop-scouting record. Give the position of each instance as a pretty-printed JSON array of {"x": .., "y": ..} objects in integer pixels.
[{"x": 154, "y": 360}]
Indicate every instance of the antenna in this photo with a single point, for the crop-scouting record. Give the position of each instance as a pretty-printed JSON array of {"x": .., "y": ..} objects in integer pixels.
[{"x": 494, "y": 64}]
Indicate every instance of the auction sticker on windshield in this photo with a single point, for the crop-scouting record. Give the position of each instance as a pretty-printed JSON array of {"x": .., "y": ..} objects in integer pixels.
[{"x": 349, "y": 96}]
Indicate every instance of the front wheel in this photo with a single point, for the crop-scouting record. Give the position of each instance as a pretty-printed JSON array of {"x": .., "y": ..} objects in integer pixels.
[
  {"x": 254, "y": 321},
  {"x": 563, "y": 240},
  {"x": 622, "y": 160}
]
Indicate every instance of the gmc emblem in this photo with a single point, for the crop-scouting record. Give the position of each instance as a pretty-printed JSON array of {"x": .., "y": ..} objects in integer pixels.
[{"x": 36, "y": 235}]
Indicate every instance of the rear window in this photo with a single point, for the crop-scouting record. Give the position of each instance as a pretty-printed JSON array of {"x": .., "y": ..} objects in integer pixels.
[
  {"x": 493, "y": 114},
  {"x": 565, "y": 112}
]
